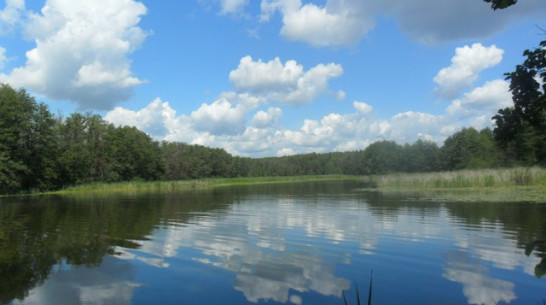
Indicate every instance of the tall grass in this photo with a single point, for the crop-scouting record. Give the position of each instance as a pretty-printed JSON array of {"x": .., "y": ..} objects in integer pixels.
[
  {"x": 483, "y": 178},
  {"x": 198, "y": 184}
]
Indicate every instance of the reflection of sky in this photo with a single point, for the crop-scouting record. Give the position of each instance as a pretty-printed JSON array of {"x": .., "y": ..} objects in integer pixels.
[
  {"x": 478, "y": 287},
  {"x": 280, "y": 248},
  {"x": 109, "y": 283}
]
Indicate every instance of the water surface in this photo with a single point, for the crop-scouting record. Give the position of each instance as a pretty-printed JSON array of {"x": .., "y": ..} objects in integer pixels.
[{"x": 275, "y": 244}]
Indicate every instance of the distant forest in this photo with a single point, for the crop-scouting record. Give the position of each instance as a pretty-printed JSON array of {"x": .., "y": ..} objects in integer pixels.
[{"x": 40, "y": 152}]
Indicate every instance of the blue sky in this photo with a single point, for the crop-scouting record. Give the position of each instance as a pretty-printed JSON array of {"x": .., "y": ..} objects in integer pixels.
[{"x": 271, "y": 77}]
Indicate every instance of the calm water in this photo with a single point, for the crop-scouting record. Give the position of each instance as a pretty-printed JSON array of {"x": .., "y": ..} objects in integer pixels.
[{"x": 283, "y": 244}]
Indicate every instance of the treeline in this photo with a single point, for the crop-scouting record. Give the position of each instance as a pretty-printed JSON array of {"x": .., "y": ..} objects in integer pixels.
[{"x": 40, "y": 152}]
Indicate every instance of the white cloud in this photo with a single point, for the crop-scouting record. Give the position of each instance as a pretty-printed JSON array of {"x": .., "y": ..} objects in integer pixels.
[
  {"x": 362, "y": 107},
  {"x": 325, "y": 26},
  {"x": 492, "y": 96},
  {"x": 227, "y": 115},
  {"x": 11, "y": 14},
  {"x": 264, "y": 119},
  {"x": 154, "y": 119},
  {"x": 285, "y": 83},
  {"x": 345, "y": 22},
  {"x": 335, "y": 24},
  {"x": 478, "y": 287},
  {"x": 465, "y": 66},
  {"x": 241, "y": 123},
  {"x": 340, "y": 95},
  {"x": 232, "y": 6},
  {"x": 236, "y": 123},
  {"x": 81, "y": 52},
  {"x": 3, "y": 58}
]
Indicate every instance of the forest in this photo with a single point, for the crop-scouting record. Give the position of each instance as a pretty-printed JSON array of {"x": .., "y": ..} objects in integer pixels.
[{"x": 41, "y": 152}]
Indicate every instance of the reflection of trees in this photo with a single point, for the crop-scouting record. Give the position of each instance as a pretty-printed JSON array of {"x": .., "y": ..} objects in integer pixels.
[
  {"x": 37, "y": 233},
  {"x": 525, "y": 221}
]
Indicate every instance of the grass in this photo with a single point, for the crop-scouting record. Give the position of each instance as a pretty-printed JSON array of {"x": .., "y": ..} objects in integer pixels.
[
  {"x": 199, "y": 184},
  {"x": 358, "y": 294},
  {"x": 483, "y": 178},
  {"x": 513, "y": 184},
  {"x": 493, "y": 185}
]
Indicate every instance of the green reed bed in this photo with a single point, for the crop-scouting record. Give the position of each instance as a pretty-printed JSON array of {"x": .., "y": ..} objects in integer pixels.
[
  {"x": 483, "y": 178},
  {"x": 489, "y": 185},
  {"x": 198, "y": 184}
]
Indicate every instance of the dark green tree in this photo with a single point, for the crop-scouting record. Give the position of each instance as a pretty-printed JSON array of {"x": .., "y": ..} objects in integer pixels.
[
  {"x": 382, "y": 157},
  {"x": 500, "y": 4},
  {"x": 521, "y": 129},
  {"x": 135, "y": 155},
  {"x": 27, "y": 143},
  {"x": 421, "y": 156},
  {"x": 469, "y": 149}
]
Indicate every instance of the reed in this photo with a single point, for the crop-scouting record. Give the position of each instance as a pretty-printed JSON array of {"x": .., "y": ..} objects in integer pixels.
[
  {"x": 198, "y": 184},
  {"x": 483, "y": 178},
  {"x": 358, "y": 293}
]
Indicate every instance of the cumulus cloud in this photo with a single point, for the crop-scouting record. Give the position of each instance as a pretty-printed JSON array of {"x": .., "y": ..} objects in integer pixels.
[
  {"x": 11, "y": 14},
  {"x": 345, "y": 22},
  {"x": 492, "y": 96},
  {"x": 227, "y": 115},
  {"x": 478, "y": 287},
  {"x": 284, "y": 83},
  {"x": 335, "y": 24},
  {"x": 81, "y": 52},
  {"x": 263, "y": 119},
  {"x": 243, "y": 124},
  {"x": 154, "y": 119},
  {"x": 465, "y": 66},
  {"x": 236, "y": 123}
]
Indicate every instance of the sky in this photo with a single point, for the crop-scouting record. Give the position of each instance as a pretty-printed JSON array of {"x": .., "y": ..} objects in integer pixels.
[{"x": 265, "y": 78}]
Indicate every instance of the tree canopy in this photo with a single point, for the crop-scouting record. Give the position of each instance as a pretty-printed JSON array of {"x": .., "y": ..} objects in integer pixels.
[
  {"x": 501, "y": 4},
  {"x": 521, "y": 128}
]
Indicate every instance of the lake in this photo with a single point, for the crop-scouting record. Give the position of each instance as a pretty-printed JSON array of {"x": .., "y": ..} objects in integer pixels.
[{"x": 302, "y": 243}]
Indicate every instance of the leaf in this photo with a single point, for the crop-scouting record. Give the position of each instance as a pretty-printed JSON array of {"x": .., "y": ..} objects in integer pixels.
[{"x": 370, "y": 290}]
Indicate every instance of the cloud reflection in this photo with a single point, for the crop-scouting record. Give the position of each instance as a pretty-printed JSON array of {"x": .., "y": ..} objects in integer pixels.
[
  {"x": 478, "y": 287},
  {"x": 109, "y": 283},
  {"x": 280, "y": 249}
]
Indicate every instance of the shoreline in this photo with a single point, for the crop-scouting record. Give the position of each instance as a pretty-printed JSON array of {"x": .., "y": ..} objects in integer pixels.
[{"x": 514, "y": 184}]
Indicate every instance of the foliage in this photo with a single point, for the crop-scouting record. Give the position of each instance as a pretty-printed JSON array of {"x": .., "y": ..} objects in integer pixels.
[
  {"x": 39, "y": 152},
  {"x": 520, "y": 129},
  {"x": 500, "y": 4},
  {"x": 470, "y": 149},
  {"x": 28, "y": 145}
]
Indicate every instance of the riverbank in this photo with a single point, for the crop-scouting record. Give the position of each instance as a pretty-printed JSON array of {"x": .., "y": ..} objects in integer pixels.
[
  {"x": 200, "y": 184},
  {"x": 514, "y": 184},
  {"x": 491, "y": 185}
]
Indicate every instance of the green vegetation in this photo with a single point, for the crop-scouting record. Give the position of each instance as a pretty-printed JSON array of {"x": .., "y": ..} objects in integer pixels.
[
  {"x": 485, "y": 178},
  {"x": 197, "y": 184}
]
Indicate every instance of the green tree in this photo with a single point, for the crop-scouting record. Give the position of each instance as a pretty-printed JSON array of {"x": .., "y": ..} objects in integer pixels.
[
  {"x": 382, "y": 157},
  {"x": 500, "y": 4},
  {"x": 470, "y": 149},
  {"x": 135, "y": 155},
  {"x": 76, "y": 159},
  {"x": 421, "y": 156},
  {"x": 521, "y": 129},
  {"x": 28, "y": 147}
]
